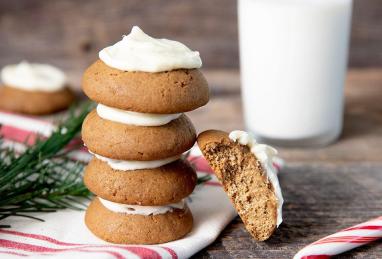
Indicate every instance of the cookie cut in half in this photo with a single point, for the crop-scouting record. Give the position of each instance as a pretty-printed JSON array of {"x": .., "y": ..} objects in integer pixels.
[{"x": 248, "y": 176}]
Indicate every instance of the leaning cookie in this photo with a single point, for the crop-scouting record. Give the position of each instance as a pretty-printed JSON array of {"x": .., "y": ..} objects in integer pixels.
[
  {"x": 247, "y": 174},
  {"x": 138, "y": 224},
  {"x": 162, "y": 185},
  {"x": 35, "y": 89}
]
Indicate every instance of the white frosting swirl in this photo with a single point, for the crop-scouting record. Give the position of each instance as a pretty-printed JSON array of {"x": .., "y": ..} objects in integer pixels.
[
  {"x": 134, "y": 118},
  {"x": 141, "y": 210},
  {"x": 33, "y": 77},
  {"x": 140, "y": 52},
  {"x": 265, "y": 154},
  {"x": 127, "y": 165}
]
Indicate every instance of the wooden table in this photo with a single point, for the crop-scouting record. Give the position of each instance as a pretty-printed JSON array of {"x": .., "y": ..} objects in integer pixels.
[{"x": 325, "y": 189}]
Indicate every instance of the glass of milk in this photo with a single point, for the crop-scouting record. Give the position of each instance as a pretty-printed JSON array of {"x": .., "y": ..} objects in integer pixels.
[{"x": 293, "y": 58}]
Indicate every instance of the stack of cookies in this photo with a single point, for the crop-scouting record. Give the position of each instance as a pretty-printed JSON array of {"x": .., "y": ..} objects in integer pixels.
[{"x": 138, "y": 134}]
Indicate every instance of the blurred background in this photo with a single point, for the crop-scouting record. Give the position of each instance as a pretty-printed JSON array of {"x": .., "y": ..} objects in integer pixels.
[{"x": 70, "y": 33}]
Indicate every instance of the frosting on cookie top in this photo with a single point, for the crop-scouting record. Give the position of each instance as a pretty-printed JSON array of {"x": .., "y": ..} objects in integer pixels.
[
  {"x": 127, "y": 165},
  {"x": 141, "y": 210},
  {"x": 266, "y": 155},
  {"x": 134, "y": 118},
  {"x": 140, "y": 52},
  {"x": 33, "y": 77}
]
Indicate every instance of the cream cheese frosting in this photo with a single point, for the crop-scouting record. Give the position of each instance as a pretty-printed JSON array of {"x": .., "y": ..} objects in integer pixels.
[
  {"x": 266, "y": 155},
  {"x": 33, "y": 77},
  {"x": 134, "y": 118},
  {"x": 141, "y": 210},
  {"x": 127, "y": 165},
  {"x": 140, "y": 52}
]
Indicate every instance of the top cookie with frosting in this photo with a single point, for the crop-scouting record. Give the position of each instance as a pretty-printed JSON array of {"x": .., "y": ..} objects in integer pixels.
[{"x": 148, "y": 75}]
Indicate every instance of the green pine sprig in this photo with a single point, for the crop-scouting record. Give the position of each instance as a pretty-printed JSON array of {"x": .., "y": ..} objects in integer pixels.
[{"x": 43, "y": 178}]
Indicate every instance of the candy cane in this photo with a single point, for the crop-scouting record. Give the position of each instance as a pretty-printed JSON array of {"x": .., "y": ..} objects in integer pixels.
[{"x": 343, "y": 240}]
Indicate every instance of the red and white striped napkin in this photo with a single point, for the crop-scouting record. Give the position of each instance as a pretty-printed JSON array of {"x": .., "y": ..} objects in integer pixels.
[{"x": 64, "y": 234}]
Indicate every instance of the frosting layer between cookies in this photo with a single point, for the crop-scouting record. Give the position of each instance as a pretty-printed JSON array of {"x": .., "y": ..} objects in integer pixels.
[
  {"x": 141, "y": 210},
  {"x": 127, "y": 165},
  {"x": 33, "y": 77},
  {"x": 134, "y": 118},
  {"x": 266, "y": 155},
  {"x": 140, "y": 52}
]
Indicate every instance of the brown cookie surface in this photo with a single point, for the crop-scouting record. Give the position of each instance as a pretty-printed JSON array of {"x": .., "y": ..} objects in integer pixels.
[
  {"x": 35, "y": 102},
  {"x": 244, "y": 180},
  {"x": 129, "y": 142},
  {"x": 158, "y": 186},
  {"x": 123, "y": 228},
  {"x": 163, "y": 92}
]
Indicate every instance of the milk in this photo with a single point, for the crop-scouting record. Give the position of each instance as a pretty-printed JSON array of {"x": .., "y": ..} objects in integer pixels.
[{"x": 293, "y": 56}]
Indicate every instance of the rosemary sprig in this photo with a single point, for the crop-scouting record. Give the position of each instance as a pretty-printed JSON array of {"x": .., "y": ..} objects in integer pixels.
[{"x": 43, "y": 178}]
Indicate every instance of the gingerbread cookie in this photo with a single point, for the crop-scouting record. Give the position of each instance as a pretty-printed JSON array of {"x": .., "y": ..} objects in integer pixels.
[
  {"x": 35, "y": 89},
  {"x": 35, "y": 102},
  {"x": 124, "y": 228},
  {"x": 173, "y": 91},
  {"x": 128, "y": 142},
  {"x": 246, "y": 172},
  {"x": 169, "y": 183}
]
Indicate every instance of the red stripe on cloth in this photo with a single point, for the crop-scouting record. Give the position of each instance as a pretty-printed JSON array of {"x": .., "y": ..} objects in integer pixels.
[
  {"x": 145, "y": 253},
  {"x": 171, "y": 252},
  {"x": 18, "y": 135},
  {"x": 29, "y": 137},
  {"x": 140, "y": 251},
  {"x": 12, "y": 253},
  {"x": 39, "y": 237},
  {"x": 41, "y": 249},
  {"x": 364, "y": 227}
]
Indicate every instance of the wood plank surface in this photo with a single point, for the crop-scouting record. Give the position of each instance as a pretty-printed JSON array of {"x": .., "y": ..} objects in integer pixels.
[{"x": 319, "y": 200}]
